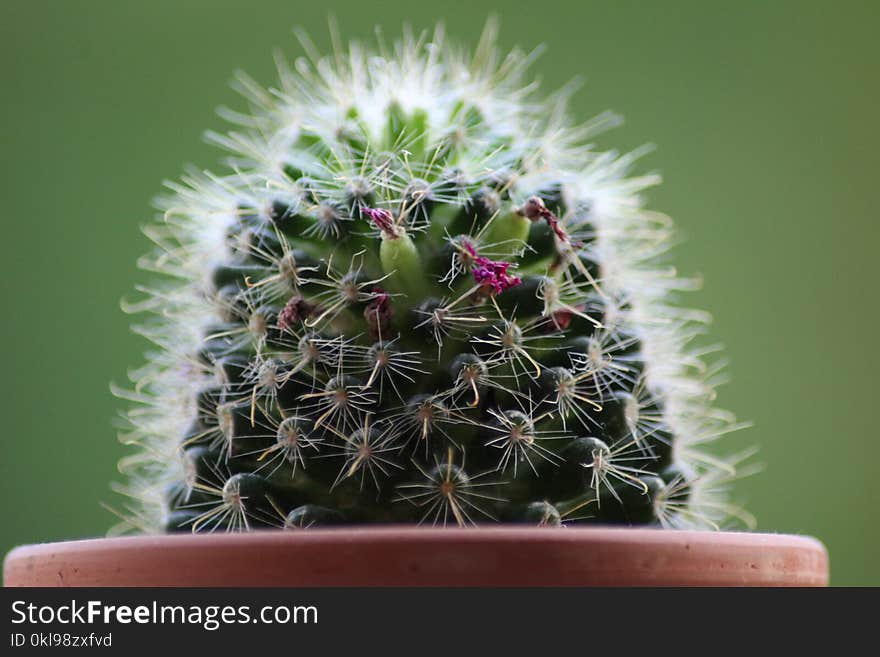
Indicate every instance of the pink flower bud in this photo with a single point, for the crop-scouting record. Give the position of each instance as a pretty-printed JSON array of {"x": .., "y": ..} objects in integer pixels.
[{"x": 383, "y": 220}]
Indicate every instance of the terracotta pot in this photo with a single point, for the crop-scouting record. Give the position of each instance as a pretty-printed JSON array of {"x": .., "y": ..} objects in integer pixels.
[{"x": 397, "y": 556}]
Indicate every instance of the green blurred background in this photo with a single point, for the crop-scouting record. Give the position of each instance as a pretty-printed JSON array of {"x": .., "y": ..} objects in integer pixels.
[{"x": 765, "y": 115}]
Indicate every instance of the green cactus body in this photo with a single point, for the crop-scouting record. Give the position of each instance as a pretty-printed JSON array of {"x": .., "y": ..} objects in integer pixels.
[{"x": 418, "y": 297}]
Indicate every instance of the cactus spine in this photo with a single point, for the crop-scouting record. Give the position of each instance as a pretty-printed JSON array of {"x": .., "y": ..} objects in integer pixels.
[{"x": 417, "y": 296}]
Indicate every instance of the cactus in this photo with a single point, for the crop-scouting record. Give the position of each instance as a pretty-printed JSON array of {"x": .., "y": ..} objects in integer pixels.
[{"x": 418, "y": 296}]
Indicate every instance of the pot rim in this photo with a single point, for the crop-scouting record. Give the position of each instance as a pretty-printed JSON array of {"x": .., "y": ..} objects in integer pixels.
[{"x": 420, "y": 556}]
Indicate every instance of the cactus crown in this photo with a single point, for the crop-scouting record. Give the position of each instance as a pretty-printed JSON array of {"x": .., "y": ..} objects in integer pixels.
[{"x": 417, "y": 296}]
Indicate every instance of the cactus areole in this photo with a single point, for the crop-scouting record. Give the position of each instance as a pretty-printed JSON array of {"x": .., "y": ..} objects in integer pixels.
[{"x": 414, "y": 293}]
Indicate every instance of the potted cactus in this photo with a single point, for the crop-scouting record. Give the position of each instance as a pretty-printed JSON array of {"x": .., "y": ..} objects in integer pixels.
[{"x": 419, "y": 332}]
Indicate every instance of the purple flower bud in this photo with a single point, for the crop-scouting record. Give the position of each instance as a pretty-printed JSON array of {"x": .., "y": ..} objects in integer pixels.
[{"x": 493, "y": 276}]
